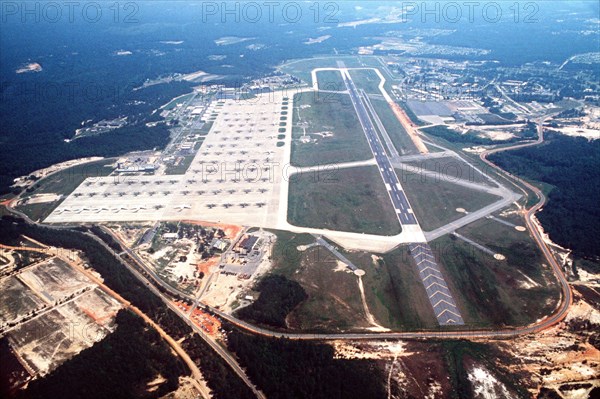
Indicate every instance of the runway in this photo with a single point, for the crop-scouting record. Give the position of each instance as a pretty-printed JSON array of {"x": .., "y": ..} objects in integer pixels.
[
  {"x": 437, "y": 290},
  {"x": 403, "y": 210}
]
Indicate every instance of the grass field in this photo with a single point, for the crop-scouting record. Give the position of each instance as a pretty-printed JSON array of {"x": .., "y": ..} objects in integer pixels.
[
  {"x": 204, "y": 130},
  {"x": 393, "y": 289},
  {"x": 285, "y": 256},
  {"x": 330, "y": 80},
  {"x": 515, "y": 291},
  {"x": 181, "y": 167},
  {"x": 452, "y": 168},
  {"x": 487, "y": 291},
  {"x": 63, "y": 183},
  {"x": 301, "y": 68},
  {"x": 331, "y": 124},
  {"x": 352, "y": 200},
  {"x": 367, "y": 80},
  {"x": 435, "y": 201},
  {"x": 38, "y": 212},
  {"x": 67, "y": 180},
  {"x": 413, "y": 117},
  {"x": 333, "y": 302},
  {"x": 403, "y": 143},
  {"x": 179, "y": 100}
]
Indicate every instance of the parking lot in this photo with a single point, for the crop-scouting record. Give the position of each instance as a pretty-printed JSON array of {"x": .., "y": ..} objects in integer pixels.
[{"x": 236, "y": 176}]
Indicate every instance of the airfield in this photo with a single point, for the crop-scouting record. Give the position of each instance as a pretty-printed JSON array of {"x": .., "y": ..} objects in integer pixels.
[
  {"x": 241, "y": 175},
  {"x": 236, "y": 176}
]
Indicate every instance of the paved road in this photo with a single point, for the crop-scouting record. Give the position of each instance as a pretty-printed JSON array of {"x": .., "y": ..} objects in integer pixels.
[
  {"x": 393, "y": 152},
  {"x": 438, "y": 293},
  {"x": 504, "y": 222},
  {"x": 536, "y": 327},
  {"x": 392, "y": 183},
  {"x": 475, "y": 244},
  {"x": 322, "y": 242},
  {"x": 197, "y": 377},
  {"x": 231, "y": 361}
]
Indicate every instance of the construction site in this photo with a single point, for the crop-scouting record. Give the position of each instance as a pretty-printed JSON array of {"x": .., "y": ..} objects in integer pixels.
[{"x": 49, "y": 312}]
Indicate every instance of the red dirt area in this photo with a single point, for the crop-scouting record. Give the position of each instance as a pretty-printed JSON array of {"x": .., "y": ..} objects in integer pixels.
[
  {"x": 409, "y": 126},
  {"x": 231, "y": 230},
  {"x": 209, "y": 324},
  {"x": 98, "y": 320},
  {"x": 206, "y": 322},
  {"x": 182, "y": 305},
  {"x": 204, "y": 266}
]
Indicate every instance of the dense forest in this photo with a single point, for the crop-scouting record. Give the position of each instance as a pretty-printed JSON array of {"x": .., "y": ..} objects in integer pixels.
[
  {"x": 298, "y": 369},
  {"x": 571, "y": 165},
  {"x": 35, "y": 152},
  {"x": 119, "y": 366},
  {"x": 220, "y": 378},
  {"x": 278, "y": 297}
]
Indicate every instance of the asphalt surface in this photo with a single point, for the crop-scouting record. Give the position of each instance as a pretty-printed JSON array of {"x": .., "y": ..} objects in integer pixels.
[
  {"x": 392, "y": 151},
  {"x": 439, "y": 295},
  {"x": 473, "y": 243},
  {"x": 550, "y": 320},
  {"x": 335, "y": 252},
  {"x": 444, "y": 306},
  {"x": 392, "y": 183}
]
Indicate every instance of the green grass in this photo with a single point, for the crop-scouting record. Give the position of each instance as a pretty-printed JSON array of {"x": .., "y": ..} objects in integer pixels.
[
  {"x": 63, "y": 183},
  {"x": 39, "y": 212},
  {"x": 452, "y": 168},
  {"x": 302, "y": 68},
  {"x": 181, "y": 167},
  {"x": 434, "y": 200},
  {"x": 352, "y": 200},
  {"x": 474, "y": 159},
  {"x": 393, "y": 289},
  {"x": 181, "y": 99},
  {"x": 204, "y": 130},
  {"x": 409, "y": 112},
  {"x": 328, "y": 112},
  {"x": 401, "y": 140},
  {"x": 67, "y": 180},
  {"x": 285, "y": 255},
  {"x": 331, "y": 81},
  {"x": 468, "y": 139},
  {"x": 488, "y": 291},
  {"x": 333, "y": 302},
  {"x": 367, "y": 80},
  {"x": 394, "y": 292}
]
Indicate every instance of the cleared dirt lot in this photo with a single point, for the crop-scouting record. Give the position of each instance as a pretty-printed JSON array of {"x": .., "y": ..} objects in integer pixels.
[
  {"x": 54, "y": 279},
  {"x": 50, "y": 312},
  {"x": 16, "y": 299},
  {"x": 47, "y": 341}
]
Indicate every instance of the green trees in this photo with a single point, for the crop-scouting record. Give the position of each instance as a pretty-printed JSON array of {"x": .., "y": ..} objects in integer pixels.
[
  {"x": 285, "y": 369},
  {"x": 119, "y": 366},
  {"x": 570, "y": 165},
  {"x": 278, "y": 297}
]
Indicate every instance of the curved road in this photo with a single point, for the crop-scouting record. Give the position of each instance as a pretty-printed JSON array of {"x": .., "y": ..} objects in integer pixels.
[{"x": 558, "y": 315}]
